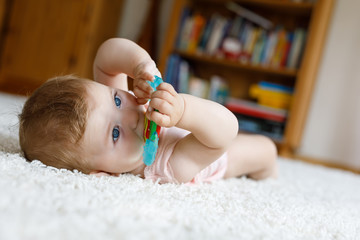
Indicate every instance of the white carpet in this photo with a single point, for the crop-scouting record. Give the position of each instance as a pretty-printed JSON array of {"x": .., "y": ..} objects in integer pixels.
[{"x": 37, "y": 202}]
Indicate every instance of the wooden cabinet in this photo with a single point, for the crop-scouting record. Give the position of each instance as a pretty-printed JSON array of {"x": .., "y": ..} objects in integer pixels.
[
  {"x": 46, "y": 38},
  {"x": 313, "y": 17}
]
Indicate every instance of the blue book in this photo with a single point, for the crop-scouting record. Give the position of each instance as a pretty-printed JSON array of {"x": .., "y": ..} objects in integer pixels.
[
  {"x": 207, "y": 32},
  {"x": 235, "y": 28},
  {"x": 296, "y": 48},
  {"x": 170, "y": 64},
  {"x": 276, "y": 87},
  {"x": 264, "y": 47},
  {"x": 175, "y": 76},
  {"x": 259, "y": 48}
]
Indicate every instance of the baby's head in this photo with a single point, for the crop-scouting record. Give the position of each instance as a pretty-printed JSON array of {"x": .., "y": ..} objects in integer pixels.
[
  {"x": 53, "y": 122},
  {"x": 80, "y": 124}
]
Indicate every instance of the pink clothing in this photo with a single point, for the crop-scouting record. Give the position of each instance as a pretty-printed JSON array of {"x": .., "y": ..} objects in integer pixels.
[{"x": 161, "y": 169}]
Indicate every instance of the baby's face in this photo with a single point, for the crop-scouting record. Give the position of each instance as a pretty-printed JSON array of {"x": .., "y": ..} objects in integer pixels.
[{"x": 113, "y": 139}]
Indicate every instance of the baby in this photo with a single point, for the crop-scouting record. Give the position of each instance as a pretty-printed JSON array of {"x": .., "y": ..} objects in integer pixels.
[{"x": 97, "y": 126}]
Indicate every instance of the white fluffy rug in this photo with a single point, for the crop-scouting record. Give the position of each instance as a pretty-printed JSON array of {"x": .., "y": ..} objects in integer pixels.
[{"x": 38, "y": 202}]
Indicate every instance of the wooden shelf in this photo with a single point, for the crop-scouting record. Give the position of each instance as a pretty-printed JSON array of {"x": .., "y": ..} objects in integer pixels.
[{"x": 236, "y": 64}]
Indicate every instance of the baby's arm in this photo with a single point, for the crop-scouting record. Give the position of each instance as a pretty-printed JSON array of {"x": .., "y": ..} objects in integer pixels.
[
  {"x": 212, "y": 127},
  {"x": 118, "y": 58}
]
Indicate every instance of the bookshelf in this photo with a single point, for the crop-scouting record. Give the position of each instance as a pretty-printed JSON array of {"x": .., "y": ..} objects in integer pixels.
[{"x": 310, "y": 16}]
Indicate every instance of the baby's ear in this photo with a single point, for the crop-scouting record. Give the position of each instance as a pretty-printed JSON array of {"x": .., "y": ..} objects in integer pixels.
[{"x": 99, "y": 173}]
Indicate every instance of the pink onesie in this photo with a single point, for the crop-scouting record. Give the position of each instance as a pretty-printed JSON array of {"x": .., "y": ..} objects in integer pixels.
[{"x": 161, "y": 169}]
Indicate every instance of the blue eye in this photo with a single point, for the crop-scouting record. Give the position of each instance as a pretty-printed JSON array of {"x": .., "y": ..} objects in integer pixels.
[
  {"x": 117, "y": 101},
  {"x": 115, "y": 134}
]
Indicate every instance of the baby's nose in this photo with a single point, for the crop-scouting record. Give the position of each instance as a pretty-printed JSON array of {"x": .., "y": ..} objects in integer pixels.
[
  {"x": 129, "y": 118},
  {"x": 130, "y": 99}
]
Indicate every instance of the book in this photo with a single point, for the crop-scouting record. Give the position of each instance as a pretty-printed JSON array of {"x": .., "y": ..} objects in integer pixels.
[
  {"x": 172, "y": 70},
  {"x": 169, "y": 69},
  {"x": 209, "y": 25},
  {"x": 275, "y": 87},
  {"x": 272, "y": 129},
  {"x": 216, "y": 36},
  {"x": 184, "y": 75},
  {"x": 219, "y": 90},
  {"x": 296, "y": 48},
  {"x": 258, "y": 119},
  {"x": 279, "y": 49},
  {"x": 195, "y": 34},
  {"x": 243, "y": 35},
  {"x": 253, "y": 109},
  {"x": 289, "y": 39},
  {"x": 186, "y": 33},
  {"x": 250, "y": 41},
  {"x": 186, "y": 12},
  {"x": 259, "y": 48},
  {"x": 269, "y": 48},
  {"x": 236, "y": 26},
  {"x": 198, "y": 87},
  {"x": 272, "y": 95}
]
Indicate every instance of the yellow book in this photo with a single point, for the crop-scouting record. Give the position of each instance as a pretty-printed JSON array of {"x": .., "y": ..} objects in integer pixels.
[{"x": 266, "y": 97}]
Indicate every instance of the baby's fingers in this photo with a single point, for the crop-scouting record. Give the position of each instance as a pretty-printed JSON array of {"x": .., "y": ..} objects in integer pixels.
[
  {"x": 147, "y": 76},
  {"x": 159, "y": 118},
  {"x": 167, "y": 87},
  {"x": 143, "y": 85},
  {"x": 140, "y": 94},
  {"x": 141, "y": 101},
  {"x": 161, "y": 105}
]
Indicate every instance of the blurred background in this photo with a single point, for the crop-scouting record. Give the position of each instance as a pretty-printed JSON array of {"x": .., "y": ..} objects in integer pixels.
[{"x": 287, "y": 69}]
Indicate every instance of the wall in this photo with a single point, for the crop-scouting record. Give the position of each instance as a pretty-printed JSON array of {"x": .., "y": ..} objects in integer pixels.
[
  {"x": 133, "y": 17},
  {"x": 332, "y": 131}
]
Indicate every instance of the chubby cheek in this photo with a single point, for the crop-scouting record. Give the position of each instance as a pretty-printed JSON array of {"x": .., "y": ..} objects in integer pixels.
[
  {"x": 133, "y": 148},
  {"x": 131, "y": 145}
]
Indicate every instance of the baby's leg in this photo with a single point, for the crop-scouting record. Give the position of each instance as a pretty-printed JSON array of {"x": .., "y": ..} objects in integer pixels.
[{"x": 252, "y": 155}]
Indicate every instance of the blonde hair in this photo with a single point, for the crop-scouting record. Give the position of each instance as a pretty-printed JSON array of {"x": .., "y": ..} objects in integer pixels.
[{"x": 53, "y": 122}]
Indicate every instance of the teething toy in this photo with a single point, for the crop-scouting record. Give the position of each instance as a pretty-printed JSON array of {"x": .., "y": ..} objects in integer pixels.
[{"x": 151, "y": 132}]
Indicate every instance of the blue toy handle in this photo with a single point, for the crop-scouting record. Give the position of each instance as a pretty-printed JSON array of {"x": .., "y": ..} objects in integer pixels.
[
  {"x": 150, "y": 150},
  {"x": 151, "y": 142}
]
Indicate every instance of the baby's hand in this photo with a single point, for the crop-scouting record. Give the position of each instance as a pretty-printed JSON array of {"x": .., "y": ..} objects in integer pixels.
[
  {"x": 145, "y": 71},
  {"x": 170, "y": 106}
]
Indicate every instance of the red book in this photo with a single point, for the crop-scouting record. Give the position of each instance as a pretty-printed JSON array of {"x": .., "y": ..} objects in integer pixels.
[{"x": 255, "y": 110}]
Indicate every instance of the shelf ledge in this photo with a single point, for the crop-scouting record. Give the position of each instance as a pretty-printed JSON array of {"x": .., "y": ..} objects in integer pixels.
[{"x": 237, "y": 64}]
